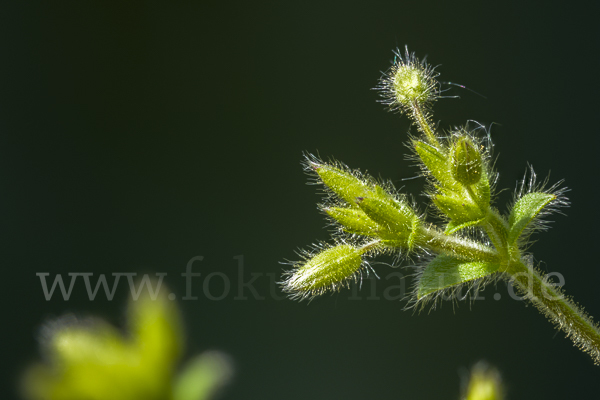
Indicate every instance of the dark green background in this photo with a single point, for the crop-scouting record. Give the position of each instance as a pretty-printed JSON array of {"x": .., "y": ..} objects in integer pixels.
[{"x": 136, "y": 135}]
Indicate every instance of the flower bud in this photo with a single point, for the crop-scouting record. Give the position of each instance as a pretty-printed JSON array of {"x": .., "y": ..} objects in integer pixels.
[
  {"x": 325, "y": 271},
  {"x": 398, "y": 218},
  {"x": 435, "y": 161},
  {"x": 411, "y": 85},
  {"x": 342, "y": 183},
  {"x": 353, "y": 220},
  {"x": 466, "y": 162},
  {"x": 484, "y": 384},
  {"x": 459, "y": 210},
  {"x": 408, "y": 83}
]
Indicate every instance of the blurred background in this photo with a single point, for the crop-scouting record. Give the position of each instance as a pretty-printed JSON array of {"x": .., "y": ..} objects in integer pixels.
[{"x": 135, "y": 136}]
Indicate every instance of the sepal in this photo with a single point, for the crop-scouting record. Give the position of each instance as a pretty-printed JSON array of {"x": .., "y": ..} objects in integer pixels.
[
  {"x": 445, "y": 271},
  {"x": 344, "y": 184},
  {"x": 353, "y": 220},
  {"x": 466, "y": 164},
  {"x": 327, "y": 270},
  {"x": 460, "y": 211}
]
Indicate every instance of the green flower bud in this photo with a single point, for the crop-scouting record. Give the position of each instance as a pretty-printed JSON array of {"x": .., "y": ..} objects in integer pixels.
[
  {"x": 411, "y": 84},
  {"x": 435, "y": 161},
  {"x": 459, "y": 210},
  {"x": 466, "y": 162},
  {"x": 484, "y": 384},
  {"x": 398, "y": 219},
  {"x": 408, "y": 83},
  {"x": 342, "y": 183},
  {"x": 328, "y": 270},
  {"x": 354, "y": 220}
]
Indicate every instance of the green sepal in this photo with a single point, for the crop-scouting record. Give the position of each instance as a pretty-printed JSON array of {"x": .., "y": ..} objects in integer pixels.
[
  {"x": 454, "y": 226},
  {"x": 387, "y": 213},
  {"x": 325, "y": 270},
  {"x": 466, "y": 165},
  {"x": 353, "y": 220},
  {"x": 445, "y": 271},
  {"x": 436, "y": 162},
  {"x": 344, "y": 184},
  {"x": 458, "y": 210},
  {"x": 483, "y": 191},
  {"x": 524, "y": 211}
]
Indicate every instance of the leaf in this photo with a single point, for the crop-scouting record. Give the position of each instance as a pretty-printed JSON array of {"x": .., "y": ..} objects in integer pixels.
[
  {"x": 459, "y": 210},
  {"x": 454, "y": 226},
  {"x": 445, "y": 271},
  {"x": 524, "y": 211},
  {"x": 436, "y": 162}
]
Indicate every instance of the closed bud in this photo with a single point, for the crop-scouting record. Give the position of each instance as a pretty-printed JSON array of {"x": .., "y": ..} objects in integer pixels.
[
  {"x": 411, "y": 84},
  {"x": 484, "y": 384},
  {"x": 408, "y": 83},
  {"x": 459, "y": 210},
  {"x": 342, "y": 183},
  {"x": 328, "y": 270},
  {"x": 466, "y": 162},
  {"x": 353, "y": 220},
  {"x": 436, "y": 163},
  {"x": 398, "y": 218}
]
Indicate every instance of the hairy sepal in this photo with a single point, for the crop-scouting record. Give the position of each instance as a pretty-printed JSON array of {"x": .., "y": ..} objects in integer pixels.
[{"x": 445, "y": 272}]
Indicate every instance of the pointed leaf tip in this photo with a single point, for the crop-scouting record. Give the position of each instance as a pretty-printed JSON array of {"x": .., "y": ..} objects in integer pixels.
[{"x": 525, "y": 210}]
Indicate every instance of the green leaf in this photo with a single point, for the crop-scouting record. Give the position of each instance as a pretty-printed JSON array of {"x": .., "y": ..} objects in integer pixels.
[
  {"x": 436, "y": 162},
  {"x": 454, "y": 226},
  {"x": 445, "y": 271},
  {"x": 459, "y": 210},
  {"x": 524, "y": 211}
]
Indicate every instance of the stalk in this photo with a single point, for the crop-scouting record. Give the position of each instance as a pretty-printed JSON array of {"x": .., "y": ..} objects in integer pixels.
[
  {"x": 561, "y": 310},
  {"x": 423, "y": 124},
  {"x": 437, "y": 242}
]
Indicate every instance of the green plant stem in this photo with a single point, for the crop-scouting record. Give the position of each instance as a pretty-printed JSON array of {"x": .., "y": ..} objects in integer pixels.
[
  {"x": 561, "y": 310},
  {"x": 423, "y": 124},
  {"x": 436, "y": 241}
]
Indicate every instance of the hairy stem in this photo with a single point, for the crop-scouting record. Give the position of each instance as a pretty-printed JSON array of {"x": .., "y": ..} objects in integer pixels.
[
  {"x": 423, "y": 124},
  {"x": 436, "y": 241},
  {"x": 562, "y": 311}
]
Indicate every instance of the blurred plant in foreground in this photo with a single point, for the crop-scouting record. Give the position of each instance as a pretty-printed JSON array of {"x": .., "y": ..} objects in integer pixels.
[
  {"x": 476, "y": 243},
  {"x": 90, "y": 359},
  {"x": 484, "y": 383}
]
